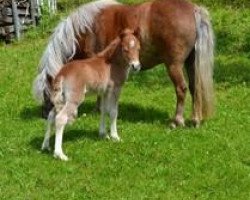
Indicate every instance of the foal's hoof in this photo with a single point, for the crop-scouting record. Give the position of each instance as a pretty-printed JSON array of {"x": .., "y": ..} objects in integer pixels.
[
  {"x": 116, "y": 138},
  {"x": 173, "y": 125},
  {"x": 61, "y": 156}
]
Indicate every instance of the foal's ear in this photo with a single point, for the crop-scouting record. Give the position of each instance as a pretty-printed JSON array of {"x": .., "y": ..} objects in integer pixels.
[
  {"x": 137, "y": 33},
  {"x": 126, "y": 32}
]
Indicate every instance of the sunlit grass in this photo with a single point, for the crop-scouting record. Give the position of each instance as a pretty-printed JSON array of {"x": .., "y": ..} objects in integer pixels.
[{"x": 153, "y": 161}]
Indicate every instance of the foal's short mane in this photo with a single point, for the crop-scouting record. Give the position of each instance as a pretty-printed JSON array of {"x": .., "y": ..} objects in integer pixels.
[{"x": 110, "y": 50}]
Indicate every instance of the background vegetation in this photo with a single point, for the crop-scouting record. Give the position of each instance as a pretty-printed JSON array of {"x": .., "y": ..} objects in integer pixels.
[{"x": 153, "y": 161}]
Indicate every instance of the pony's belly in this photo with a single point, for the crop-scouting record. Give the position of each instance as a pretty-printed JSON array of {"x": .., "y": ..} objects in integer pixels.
[{"x": 150, "y": 56}]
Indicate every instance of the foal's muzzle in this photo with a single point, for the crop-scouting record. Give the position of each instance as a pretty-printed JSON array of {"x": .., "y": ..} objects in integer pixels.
[{"x": 136, "y": 66}]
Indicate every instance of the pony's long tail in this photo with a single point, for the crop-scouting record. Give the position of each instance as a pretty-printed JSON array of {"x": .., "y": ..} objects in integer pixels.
[
  {"x": 63, "y": 43},
  {"x": 204, "y": 61}
]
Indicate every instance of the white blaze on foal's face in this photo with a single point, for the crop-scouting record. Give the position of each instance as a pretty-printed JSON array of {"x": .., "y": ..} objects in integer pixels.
[{"x": 132, "y": 44}]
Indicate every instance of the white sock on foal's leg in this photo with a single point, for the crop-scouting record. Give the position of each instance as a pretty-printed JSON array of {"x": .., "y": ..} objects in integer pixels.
[
  {"x": 113, "y": 121},
  {"x": 113, "y": 113},
  {"x": 61, "y": 121}
]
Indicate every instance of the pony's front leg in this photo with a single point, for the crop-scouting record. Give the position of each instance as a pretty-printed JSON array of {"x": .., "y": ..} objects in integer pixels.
[
  {"x": 113, "y": 113},
  {"x": 176, "y": 75},
  {"x": 102, "y": 126},
  {"x": 60, "y": 122},
  {"x": 51, "y": 121}
]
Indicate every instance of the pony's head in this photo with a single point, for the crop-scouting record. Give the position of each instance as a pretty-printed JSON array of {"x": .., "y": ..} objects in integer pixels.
[{"x": 130, "y": 46}]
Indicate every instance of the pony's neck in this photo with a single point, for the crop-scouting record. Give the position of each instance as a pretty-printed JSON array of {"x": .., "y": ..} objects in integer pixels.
[{"x": 109, "y": 52}]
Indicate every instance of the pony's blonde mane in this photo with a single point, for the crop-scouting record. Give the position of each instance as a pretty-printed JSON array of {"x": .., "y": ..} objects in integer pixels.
[{"x": 63, "y": 43}]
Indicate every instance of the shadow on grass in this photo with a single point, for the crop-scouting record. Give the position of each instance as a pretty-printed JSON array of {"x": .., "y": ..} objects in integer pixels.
[
  {"x": 135, "y": 113},
  {"x": 246, "y": 162},
  {"x": 68, "y": 136},
  {"x": 129, "y": 112},
  {"x": 30, "y": 113}
]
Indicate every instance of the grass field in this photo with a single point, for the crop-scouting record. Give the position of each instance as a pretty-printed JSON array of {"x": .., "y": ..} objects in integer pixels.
[{"x": 153, "y": 161}]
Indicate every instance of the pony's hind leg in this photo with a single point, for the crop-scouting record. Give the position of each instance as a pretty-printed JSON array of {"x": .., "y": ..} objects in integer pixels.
[
  {"x": 97, "y": 107},
  {"x": 61, "y": 120},
  {"x": 51, "y": 121},
  {"x": 176, "y": 75}
]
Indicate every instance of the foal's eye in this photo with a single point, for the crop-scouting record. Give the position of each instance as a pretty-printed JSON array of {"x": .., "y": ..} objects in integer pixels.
[{"x": 125, "y": 50}]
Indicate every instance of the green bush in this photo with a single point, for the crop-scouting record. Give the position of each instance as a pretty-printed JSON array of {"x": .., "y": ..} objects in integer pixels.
[
  {"x": 232, "y": 30},
  {"x": 211, "y": 3}
]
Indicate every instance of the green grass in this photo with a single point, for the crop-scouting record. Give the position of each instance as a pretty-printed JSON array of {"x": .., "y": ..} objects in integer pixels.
[{"x": 153, "y": 161}]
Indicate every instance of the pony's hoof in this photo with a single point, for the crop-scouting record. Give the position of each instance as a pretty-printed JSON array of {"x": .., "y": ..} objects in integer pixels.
[
  {"x": 104, "y": 137},
  {"x": 61, "y": 156},
  {"x": 177, "y": 123},
  {"x": 196, "y": 123}
]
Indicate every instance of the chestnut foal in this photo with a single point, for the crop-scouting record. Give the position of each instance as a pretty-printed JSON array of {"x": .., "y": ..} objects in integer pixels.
[{"x": 96, "y": 74}]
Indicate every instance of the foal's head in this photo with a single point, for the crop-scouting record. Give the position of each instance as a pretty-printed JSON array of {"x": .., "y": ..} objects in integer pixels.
[{"x": 130, "y": 46}]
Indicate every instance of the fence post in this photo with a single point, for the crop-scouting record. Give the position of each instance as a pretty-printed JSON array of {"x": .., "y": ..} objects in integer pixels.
[
  {"x": 52, "y": 5},
  {"x": 16, "y": 19},
  {"x": 32, "y": 12}
]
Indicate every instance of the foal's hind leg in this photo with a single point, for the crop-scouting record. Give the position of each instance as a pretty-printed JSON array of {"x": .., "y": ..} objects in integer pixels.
[
  {"x": 60, "y": 122},
  {"x": 102, "y": 126},
  {"x": 51, "y": 121},
  {"x": 47, "y": 106},
  {"x": 176, "y": 74}
]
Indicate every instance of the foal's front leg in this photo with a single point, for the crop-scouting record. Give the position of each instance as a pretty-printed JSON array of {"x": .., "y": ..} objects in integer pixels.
[
  {"x": 102, "y": 126},
  {"x": 113, "y": 113}
]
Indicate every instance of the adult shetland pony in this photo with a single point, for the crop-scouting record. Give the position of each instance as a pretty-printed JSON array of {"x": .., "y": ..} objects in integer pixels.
[{"x": 173, "y": 32}]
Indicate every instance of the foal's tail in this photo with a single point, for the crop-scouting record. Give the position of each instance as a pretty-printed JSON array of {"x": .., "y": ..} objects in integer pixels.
[
  {"x": 57, "y": 94},
  {"x": 204, "y": 61}
]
